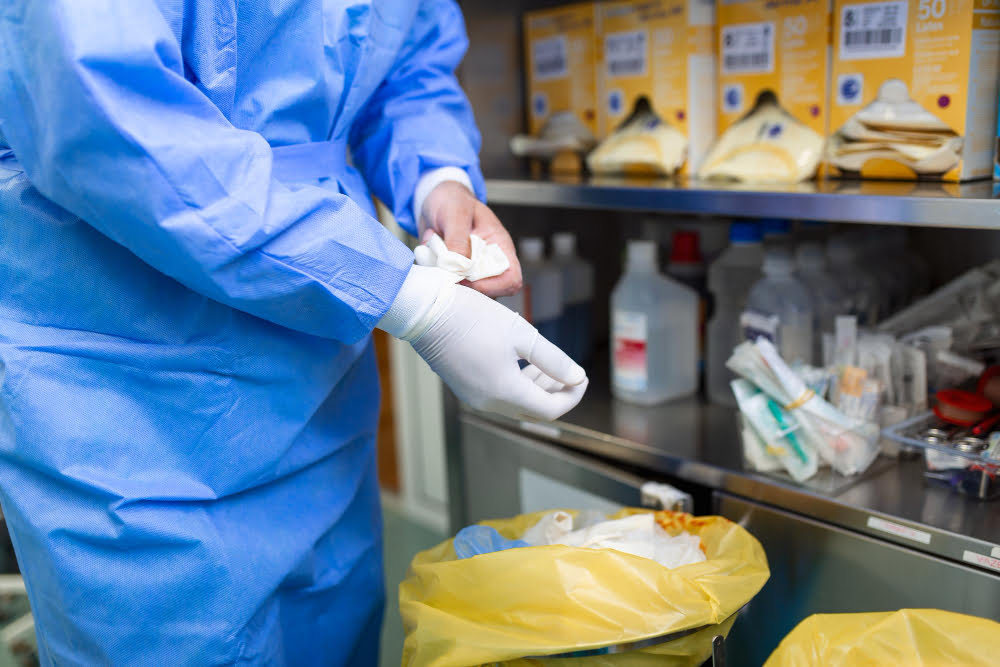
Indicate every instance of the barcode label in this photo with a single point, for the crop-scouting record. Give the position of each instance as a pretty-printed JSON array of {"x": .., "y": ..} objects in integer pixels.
[
  {"x": 625, "y": 53},
  {"x": 748, "y": 48},
  {"x": 549, "y": 58},
  {"x": 876, "y": 30}
]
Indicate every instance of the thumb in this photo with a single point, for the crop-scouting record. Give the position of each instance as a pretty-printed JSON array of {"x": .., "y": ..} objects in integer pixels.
[{"x": 536, "y": 350}]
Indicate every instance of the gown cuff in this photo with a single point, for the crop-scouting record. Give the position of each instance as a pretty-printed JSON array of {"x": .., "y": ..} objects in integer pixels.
[{"x": 430, "y": 180}]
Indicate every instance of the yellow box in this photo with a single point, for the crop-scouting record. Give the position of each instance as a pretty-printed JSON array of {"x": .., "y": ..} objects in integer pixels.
[
  {"x": 663, "y": 50},
  {"x": 776, "y": 45},
  {"x": 560, "y": 64},
  {"x": 945, "y": 56}
]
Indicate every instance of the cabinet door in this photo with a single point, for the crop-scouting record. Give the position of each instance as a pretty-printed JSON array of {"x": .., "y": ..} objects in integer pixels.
[
  {"x": 817, "y": 568},
  {"x": 505, "y": 474}
]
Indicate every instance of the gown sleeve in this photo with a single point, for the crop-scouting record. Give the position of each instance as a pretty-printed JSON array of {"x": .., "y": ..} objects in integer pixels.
[
  {"x": 419, "y": 119},
  {"x": 94, "y": 103}
]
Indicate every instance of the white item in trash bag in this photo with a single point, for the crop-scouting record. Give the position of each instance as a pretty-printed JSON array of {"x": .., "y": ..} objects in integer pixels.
[
  {"x": 639, "y": 535},
  {"x": 551, "y": 528},
  {"x": 487, "y": 259},
  {"x": 654, "y": 494}
]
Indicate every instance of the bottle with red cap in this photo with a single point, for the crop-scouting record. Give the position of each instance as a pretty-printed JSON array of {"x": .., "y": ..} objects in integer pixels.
[{"x": 687, "y": 266}]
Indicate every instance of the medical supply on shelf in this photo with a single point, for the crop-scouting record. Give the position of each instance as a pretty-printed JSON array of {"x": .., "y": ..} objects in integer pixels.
[
  {"x": 654, "y": 328},
  {"x": 730, "y": 278},
  {"x": 780, "y": 308},
  {"x": 914, "y": 89},
  {"x": 543, "y": 289},
  {"x": 660, "y": 54},
  {"x": 772, "y": 105},
  {"x": 847, "y": 444},
  {"x": 578, "y": 297},
  {"x": 644, "y": 145},
  {"x": 828, "y": 298},
  {"x": 854, "y": 279},
  {"x": 686, "y": 266},
  {"x": 560, "y": 62},
  {"x": 563, "y": 140}
]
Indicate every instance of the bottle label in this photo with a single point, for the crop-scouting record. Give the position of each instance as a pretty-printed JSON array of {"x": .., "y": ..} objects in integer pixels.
[
  {"x": 630, "y": 333},
  {"x": 757, "y": 325}
]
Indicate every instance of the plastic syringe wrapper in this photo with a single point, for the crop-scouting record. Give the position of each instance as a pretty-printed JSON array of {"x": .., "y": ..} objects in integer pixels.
[{"x": 848, "y": 445}]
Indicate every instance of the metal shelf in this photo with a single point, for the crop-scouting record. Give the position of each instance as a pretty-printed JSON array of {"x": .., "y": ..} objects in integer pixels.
[{"x": 967, "y": 205}]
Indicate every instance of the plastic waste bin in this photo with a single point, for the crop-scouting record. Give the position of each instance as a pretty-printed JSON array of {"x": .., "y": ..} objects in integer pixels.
[{"x": 526, "y": 605}]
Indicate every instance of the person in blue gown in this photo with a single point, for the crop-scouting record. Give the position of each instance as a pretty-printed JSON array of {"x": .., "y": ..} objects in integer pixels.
[{"x": 190, "y": 268}]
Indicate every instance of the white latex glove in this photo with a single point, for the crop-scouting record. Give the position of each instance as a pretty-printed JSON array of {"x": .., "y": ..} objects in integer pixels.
[{"x": 474, "y": 344}]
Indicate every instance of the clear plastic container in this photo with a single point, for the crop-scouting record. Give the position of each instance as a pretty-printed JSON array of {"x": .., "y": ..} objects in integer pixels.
[
  {"x": 829, "y": 300},
  {"x": 654, "y": 328},
  {"x": 888, "y": 269},
  {"x": 843, "y": 262},
  {"x": 578, "y": 297},
  {"x": 780, "y": 307},
  {"x": 730, "y": 278},
  {"x": 543, "y": 289}
]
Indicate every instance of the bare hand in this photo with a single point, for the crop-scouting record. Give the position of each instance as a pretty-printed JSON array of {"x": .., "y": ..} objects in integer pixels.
[{"x": 453, "y": 212}]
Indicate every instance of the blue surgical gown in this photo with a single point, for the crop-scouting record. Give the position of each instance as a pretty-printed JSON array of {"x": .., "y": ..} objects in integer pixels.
[{"x": 189, "y": 273}]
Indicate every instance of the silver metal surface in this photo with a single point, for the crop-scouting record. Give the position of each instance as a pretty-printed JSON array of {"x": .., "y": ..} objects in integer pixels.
[
  {"x": 818, "y": 568},
  {"x": 698, "y": 443},
  {"x": 970, "y": 205},
  {"x": 626, "y": 647}
]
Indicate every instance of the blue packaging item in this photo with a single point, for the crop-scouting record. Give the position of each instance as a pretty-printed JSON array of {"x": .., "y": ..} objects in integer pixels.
[{"x": 477, "y": 540}]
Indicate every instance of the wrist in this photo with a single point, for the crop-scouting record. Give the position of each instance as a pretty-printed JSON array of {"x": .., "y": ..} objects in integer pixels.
[
  {"x": 430, "y": 180},
  {"x": 425, "y": 293}
]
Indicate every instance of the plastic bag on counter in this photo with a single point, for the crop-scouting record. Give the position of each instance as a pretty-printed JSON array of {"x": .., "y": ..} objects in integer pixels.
[
  {"x": 510, "y": 605},
  {"x": 912, "y": 637}
]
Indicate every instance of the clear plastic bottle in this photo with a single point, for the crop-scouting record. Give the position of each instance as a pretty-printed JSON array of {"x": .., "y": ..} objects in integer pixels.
[
  {"x": 578, "y": 297},
  {"x": 856, "y": 282},
  {"x": 730, "y": 278},
  {"x": 654, "y": 328},
  {"x": 543, "y": 289},
  {"x": 780, "y": 307},
  {"x": 686, "y": 266},
  {"x": 829, "y": 300}
]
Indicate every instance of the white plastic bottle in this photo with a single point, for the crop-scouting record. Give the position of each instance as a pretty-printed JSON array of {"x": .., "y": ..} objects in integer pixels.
[
  {"x": 730, "y": 278},
  {"x": 855, "y": 281},
  {"x": 543, "y": 289},
  {"x": 780, "y": 307},
  {"x": 829, "y": 300},
  {"x": 654, "y": 328},
  {"x": 578, "y": 296}
]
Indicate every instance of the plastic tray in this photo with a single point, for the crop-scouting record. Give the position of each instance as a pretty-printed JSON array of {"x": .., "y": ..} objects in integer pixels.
[{"x": 980, "y": 479}]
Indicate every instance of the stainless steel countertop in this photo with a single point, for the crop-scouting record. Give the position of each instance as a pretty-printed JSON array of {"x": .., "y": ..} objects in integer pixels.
[
  {"x": 699, "y": 443},
  {"x": 966, "y": 205}
]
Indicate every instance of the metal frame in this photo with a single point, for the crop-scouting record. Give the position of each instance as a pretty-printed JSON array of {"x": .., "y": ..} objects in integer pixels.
[{"x": 971, "y": 206}]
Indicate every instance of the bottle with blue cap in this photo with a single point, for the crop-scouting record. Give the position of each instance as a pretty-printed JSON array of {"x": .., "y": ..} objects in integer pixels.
[{"x": 729, "y": 280}]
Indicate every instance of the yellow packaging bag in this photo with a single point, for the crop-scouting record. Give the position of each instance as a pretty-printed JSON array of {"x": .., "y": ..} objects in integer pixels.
[
  {"x": 538, "y": 601},
  {"x": 912, "y": 637}
]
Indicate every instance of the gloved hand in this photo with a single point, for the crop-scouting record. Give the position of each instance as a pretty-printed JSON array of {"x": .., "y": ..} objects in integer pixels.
[{"x": 474, "y": 344}]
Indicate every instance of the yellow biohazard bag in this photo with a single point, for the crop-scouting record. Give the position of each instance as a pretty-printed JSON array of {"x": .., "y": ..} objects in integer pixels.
[
  {"x": 539, "y": 601},
  {"x": 912, "y": 637}
]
